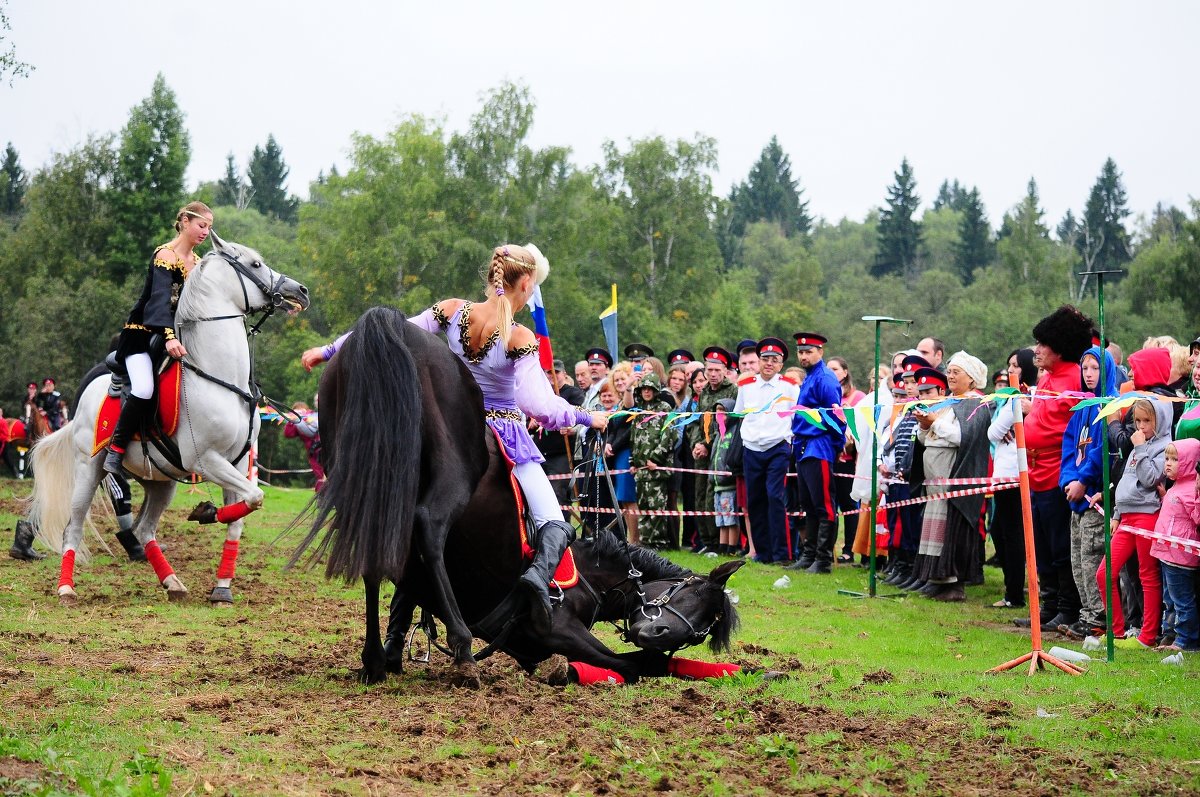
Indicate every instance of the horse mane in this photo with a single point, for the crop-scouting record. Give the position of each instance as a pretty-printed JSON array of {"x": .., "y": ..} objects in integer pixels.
[
  {"x": 608, "y": 546},
  {"x": 721, "y": 634},
  {"x": 367, "y": 506}
]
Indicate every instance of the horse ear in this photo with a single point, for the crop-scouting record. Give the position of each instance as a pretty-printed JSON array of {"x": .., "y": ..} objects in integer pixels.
[
  {"x": 218, "y": 244},
  {"x": 721, "y": 573}
]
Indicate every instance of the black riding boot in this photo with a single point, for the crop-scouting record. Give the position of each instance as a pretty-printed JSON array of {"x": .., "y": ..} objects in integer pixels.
[
  {"x": 132, "y": 414},
  {"x": 826, "y": 540},
  {"x": 553, "y": 539},
  {"x": 22, "y": 547},
  {"x": 133, "y": 548}
]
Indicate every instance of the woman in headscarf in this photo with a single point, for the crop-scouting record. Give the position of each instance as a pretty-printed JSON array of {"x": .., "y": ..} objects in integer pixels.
[{"x": 952, "y": 443}]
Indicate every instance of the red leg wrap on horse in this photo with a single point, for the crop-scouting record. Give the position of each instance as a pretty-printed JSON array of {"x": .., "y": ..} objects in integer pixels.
[
  {"x": 699, "y": 670},
  {"x": 154, "y": 556},
  {"x": 228, "y": 514},
  {"x": 66, "y": 573},
  {"x": 590, "y": 674},
  {"x": 228, "y": 559}
]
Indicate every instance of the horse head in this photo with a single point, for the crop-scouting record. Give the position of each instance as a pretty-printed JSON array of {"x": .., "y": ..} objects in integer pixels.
[
  {"x": 247, "y": 286},
  {"x": 680, "y": 612}
]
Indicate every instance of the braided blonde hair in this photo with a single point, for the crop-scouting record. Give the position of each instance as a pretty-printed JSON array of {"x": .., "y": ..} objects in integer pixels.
[
  {"x": 508, "y": 264},
  {"x": 194, "y": 210}
]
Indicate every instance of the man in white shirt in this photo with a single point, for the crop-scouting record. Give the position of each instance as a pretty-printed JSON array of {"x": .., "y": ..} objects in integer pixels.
[{"x": 768, "y": 399}]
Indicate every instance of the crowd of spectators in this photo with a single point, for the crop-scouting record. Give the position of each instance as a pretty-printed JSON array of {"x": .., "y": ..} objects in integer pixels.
[{"x": 718, "y": 435}]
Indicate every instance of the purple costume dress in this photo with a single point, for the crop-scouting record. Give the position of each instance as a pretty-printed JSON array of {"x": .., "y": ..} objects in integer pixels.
[{"x": 512, "y": 383}]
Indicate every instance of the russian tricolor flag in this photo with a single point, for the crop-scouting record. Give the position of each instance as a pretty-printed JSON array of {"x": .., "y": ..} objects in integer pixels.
[{"x": 545, "y": 353}]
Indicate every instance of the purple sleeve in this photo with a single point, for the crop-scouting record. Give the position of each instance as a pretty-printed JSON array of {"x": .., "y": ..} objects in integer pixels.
[
  {"x": 333, "y": 348},
  {"x": 536, "y": 398}
]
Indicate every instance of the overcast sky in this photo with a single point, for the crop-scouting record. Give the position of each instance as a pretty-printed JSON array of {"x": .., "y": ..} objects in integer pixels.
[{"x": 988, "y": 93}]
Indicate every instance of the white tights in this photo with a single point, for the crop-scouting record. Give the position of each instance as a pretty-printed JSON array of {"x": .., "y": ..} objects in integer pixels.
[
  {"x": 141, "y": 375},
  {"x": 543, "y": 503}
]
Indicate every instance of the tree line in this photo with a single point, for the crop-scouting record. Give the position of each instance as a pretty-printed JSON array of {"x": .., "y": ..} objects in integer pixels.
[{"x": 418, "y": 209}]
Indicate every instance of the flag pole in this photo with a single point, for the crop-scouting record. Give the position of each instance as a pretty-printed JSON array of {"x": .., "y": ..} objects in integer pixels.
[{"x": 879, "y": 320}]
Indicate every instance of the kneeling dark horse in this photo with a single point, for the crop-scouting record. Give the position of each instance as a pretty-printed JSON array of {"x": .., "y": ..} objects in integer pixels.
[
  {"x": 424, "y": 476},
  {"x": 658, "y": 606}
]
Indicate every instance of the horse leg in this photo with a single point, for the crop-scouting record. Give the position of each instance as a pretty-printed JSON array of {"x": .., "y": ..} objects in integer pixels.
[
  {"x": 570, "y": 637},
  {"x": 374, "y": 667},
  {"x": 87, "y": 477},
  {"x": 399, "y": 621},
  {"x": 241, "y": 496},
  {"x": 431, "y": 539},
  {"x": 158, "y": 498},
  {"x": 236, "y": 485},
  {"x": 222, "y": 593}
]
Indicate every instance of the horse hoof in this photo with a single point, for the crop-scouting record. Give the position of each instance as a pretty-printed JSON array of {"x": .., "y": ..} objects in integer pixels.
[
  {"x": 554, "y": 671},
  {"x": 176, "y": 591},
  {"x": 466, "y": 674},
  {"x": 67, "y": 596},
  {"x": 221, "y": 597},
  {"x": 368, "y": 676},
  {"x": 205, "y": 512}
]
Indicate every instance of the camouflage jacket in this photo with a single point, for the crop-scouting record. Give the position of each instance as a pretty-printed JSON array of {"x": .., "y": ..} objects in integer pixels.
[{"x": 652, "y": 437}]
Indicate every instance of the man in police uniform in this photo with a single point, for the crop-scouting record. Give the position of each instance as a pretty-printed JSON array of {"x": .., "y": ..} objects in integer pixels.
[
  {"x": 599, "y": 361},
  {"x": 815, "y": 447},
  {"x": 747, "y": 357},
  {"x": 769, "y": 399},
  {"x": 679, "y": 357},
  {"x": 701, "y": 433}
]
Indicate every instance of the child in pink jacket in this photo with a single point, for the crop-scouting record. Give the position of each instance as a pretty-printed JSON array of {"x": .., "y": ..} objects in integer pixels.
[{"x": 1178, "y": 518}]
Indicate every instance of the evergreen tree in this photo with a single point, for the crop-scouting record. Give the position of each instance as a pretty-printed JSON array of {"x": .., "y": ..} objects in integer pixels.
[
  {"x": 267, "y": 176},
  {"x": 770, "y": 193},
  {"x": 147, "y": 189},
  {"x": 1067, "y": 229},
  {"x": 953, "y": 196},
  {"x": 230, "y": 188},
  {"x": 975, "y": 248},
  {"x": 1025, "y": 248},
  {"x": 1104, "y": 243},
  {"x": 13, "y": 182},
  {"x": 899, "y": 230}
]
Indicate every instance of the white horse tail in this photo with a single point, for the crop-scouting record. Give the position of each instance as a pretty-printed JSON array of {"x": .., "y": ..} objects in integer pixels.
[{"x": 53, "y": 462}]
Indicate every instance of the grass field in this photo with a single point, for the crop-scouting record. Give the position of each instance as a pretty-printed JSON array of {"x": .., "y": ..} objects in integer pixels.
[{"x": 126, "y": 694}]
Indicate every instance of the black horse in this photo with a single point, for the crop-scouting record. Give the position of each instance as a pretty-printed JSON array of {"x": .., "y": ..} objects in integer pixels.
[
  {"x": 660, "y": 606},
  {"x": 411, "y": 463}
]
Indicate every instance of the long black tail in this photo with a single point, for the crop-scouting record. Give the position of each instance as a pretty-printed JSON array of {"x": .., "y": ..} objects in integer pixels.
[{"x": 371, "y": 493}]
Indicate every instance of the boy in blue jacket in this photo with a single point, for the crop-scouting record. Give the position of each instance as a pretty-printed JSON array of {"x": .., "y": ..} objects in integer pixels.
[{"x": 1080, "y": 478}]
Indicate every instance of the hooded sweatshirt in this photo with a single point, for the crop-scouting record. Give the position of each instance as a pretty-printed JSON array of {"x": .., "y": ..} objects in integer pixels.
[
  {"x": 1180, "y": 510},
  {"x": 1138, "y": 489},
  {"x": 1081, "y": 443}
]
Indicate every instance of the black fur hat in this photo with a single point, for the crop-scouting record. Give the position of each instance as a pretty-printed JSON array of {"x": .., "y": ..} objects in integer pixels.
[{"x": 1067, "y": 331}]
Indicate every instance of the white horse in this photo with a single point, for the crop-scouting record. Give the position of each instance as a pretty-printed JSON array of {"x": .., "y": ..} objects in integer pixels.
[{"x": 217, "y": 432}]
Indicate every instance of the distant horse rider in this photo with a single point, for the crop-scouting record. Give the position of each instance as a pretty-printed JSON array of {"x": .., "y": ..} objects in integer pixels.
[{"x": 150, "y": 328}]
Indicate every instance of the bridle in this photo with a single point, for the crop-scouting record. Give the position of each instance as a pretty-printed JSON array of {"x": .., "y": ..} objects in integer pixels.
[
  {"x": 653, "y": 609},
  {"x": 274, "y": 296}
]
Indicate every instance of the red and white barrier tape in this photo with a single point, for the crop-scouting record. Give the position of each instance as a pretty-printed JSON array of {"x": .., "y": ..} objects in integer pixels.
[
  {"x": 1185, "y": 545},
  {"x": 742, "y": 512},
  {"x": 928, "y": 483}
]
